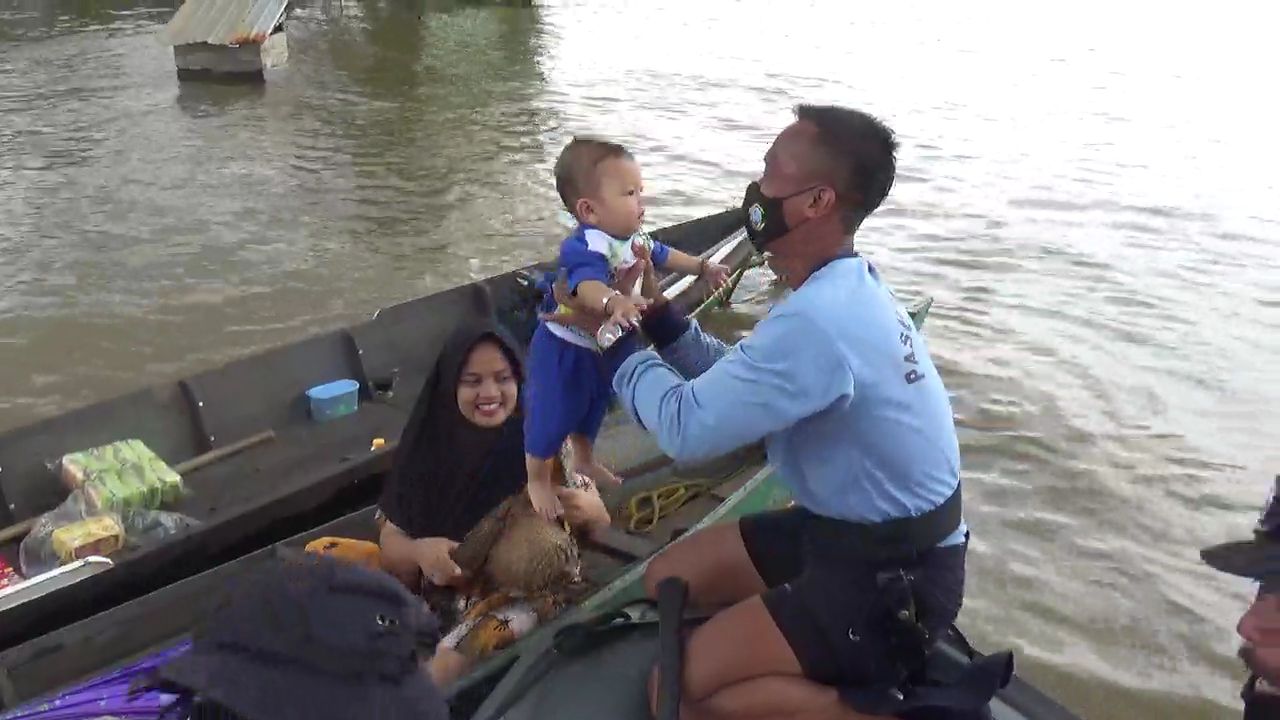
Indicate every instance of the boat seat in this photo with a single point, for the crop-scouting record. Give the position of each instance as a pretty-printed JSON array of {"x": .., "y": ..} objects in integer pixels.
[
  {"x": 267, "y": 391},
  {"x": 621, "y": 545},
  {"x": 397, "y": 349}
]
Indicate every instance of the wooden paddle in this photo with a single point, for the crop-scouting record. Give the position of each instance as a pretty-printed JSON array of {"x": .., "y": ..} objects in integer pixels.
[{"x": 17, "y": 530}]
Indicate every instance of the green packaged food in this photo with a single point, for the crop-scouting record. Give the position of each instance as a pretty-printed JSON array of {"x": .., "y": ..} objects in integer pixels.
[{"x": 123, "y": 475}]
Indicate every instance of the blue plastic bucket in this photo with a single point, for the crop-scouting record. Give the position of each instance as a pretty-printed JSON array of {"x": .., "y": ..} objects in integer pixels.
[{"x": 334, "y": 399}]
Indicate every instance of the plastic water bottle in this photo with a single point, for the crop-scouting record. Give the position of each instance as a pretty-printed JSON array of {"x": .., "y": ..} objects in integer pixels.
[{"x": 608, "y": 334}]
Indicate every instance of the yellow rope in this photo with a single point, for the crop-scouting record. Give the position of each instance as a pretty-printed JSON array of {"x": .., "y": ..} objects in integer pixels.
[{"x": 646, "y": 508}]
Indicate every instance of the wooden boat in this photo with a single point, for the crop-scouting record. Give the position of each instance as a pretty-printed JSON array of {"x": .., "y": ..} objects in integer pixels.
[
  {"x": 306, "y": 474},
  {"x": 524, "y": 680}
]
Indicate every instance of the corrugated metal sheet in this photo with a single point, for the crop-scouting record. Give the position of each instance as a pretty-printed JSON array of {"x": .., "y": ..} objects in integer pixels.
[{"x": 223, "y": 22}]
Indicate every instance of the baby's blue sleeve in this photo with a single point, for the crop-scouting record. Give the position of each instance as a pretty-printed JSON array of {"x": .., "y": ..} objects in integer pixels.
[
  {"x": 660, "y": 253},
  {"x": 579, "y": 263}
]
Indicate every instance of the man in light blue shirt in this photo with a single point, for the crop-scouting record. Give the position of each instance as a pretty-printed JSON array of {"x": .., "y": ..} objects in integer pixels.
[{"x": 830, "y": 605}]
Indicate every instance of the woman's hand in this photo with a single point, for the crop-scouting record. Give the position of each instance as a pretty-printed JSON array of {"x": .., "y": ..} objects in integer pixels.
[
  {"x": 583, "y": 509},
  {"x": 446, "y": 666},
  {"x": 437, "y": 565}
]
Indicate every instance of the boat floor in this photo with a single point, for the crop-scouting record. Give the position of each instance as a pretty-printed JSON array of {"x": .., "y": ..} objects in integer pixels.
[{"x": 123, "y": 634}]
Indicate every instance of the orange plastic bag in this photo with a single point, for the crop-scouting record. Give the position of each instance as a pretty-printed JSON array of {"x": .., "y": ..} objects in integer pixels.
[{"x": 360, "y": 552}]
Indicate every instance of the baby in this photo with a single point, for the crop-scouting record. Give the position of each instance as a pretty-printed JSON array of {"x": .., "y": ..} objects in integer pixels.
[{"x": 602, "y": 262}]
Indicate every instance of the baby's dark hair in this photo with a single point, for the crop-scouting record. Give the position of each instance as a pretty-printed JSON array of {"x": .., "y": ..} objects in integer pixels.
[{"x": 577, "y": 167}]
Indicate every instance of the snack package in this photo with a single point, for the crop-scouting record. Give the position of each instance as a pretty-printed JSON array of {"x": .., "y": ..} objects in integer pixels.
[
  {"x": 123, "y": 475},
  {"x": 8, "y": 576},
  {"x": 98, "y": 535}
]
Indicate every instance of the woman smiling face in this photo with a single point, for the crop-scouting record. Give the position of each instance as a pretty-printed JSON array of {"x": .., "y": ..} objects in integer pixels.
[{"x": 487, "y": 386}]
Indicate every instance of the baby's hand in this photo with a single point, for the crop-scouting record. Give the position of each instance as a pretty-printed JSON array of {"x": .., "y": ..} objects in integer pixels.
[
  {"x": 628, "y": 276},
  {"x": 642, "y": 251},
  {"x": 648, "y": 275},
  {"x": 716, "y": 275},
  {"x": 545, "y": 501},
  {"x": 649, "y": 284}
]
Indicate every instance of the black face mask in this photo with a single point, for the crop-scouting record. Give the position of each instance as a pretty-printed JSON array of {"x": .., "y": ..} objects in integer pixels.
[
  {"x": 764, "y": 217},
  {"x": 1259, "y": 706}
]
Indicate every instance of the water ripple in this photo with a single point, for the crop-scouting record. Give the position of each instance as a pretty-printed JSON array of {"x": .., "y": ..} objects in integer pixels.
[{"x": 1103, "y": 258}]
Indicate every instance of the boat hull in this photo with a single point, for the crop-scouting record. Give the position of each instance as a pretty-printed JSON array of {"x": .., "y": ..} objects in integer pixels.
[
  {"x": 81, "y": 652},
  {"x": 608, "y": 681},
  {"x": 309, "y": 474}
]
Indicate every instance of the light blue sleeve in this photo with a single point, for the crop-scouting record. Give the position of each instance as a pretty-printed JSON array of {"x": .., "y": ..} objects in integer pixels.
[
  {"x": 694, "y": 351},
  {"x": 785, "y": 371}
]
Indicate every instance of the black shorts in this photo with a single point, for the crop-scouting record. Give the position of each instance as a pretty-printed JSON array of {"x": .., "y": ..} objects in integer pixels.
[{"x": 831, "y": 611}]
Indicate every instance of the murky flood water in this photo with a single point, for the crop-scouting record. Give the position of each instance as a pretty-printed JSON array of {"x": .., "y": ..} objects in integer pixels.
[{"x": 1087, "y": 190}]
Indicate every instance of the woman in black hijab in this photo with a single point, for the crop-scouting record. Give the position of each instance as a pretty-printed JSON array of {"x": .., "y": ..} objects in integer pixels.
[{"x": 460, "y": 455}]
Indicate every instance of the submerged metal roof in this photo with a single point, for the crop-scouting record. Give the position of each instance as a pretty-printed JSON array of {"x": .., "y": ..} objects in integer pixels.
[{"x": 223, "y": 22}]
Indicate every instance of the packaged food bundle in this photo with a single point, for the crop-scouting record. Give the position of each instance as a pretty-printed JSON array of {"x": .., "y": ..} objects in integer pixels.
[
  {"x": 97, "y": 535},
  {"x": 125, "y": 474},
  {"x": 76, "y": 529}
]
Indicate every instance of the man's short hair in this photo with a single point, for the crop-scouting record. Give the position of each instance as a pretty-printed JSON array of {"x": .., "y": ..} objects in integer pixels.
[
  {"x": 577, "y": 169},
  {"x": 860, "y": 150}
]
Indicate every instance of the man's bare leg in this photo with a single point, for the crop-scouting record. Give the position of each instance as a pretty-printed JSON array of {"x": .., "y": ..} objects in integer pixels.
[
  {"x": 739, "y": 665},
  {"x": 713, "y": 561},
  {"x": 768, "y": 698}
]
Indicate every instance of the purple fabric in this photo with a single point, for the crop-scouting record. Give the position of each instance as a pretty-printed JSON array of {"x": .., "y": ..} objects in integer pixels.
[{"x": 106, "y": 696}]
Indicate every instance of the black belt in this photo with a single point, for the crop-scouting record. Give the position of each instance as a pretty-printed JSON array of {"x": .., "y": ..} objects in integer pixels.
[{"x": 896, "y": 540}]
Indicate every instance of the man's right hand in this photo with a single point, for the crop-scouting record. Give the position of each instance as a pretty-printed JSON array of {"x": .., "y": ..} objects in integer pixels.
[{"x": 437, "y": 565}]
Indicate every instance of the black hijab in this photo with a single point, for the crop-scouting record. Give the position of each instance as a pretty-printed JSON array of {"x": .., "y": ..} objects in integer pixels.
[{"x": 448, "y": 473}]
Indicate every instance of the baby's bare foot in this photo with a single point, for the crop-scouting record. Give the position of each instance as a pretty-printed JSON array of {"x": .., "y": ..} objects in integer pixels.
[{"x": 544, "y": 500}]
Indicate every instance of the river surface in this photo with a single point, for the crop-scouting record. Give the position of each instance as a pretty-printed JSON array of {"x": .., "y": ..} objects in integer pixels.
[{"x": 1087, "y": 189}]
